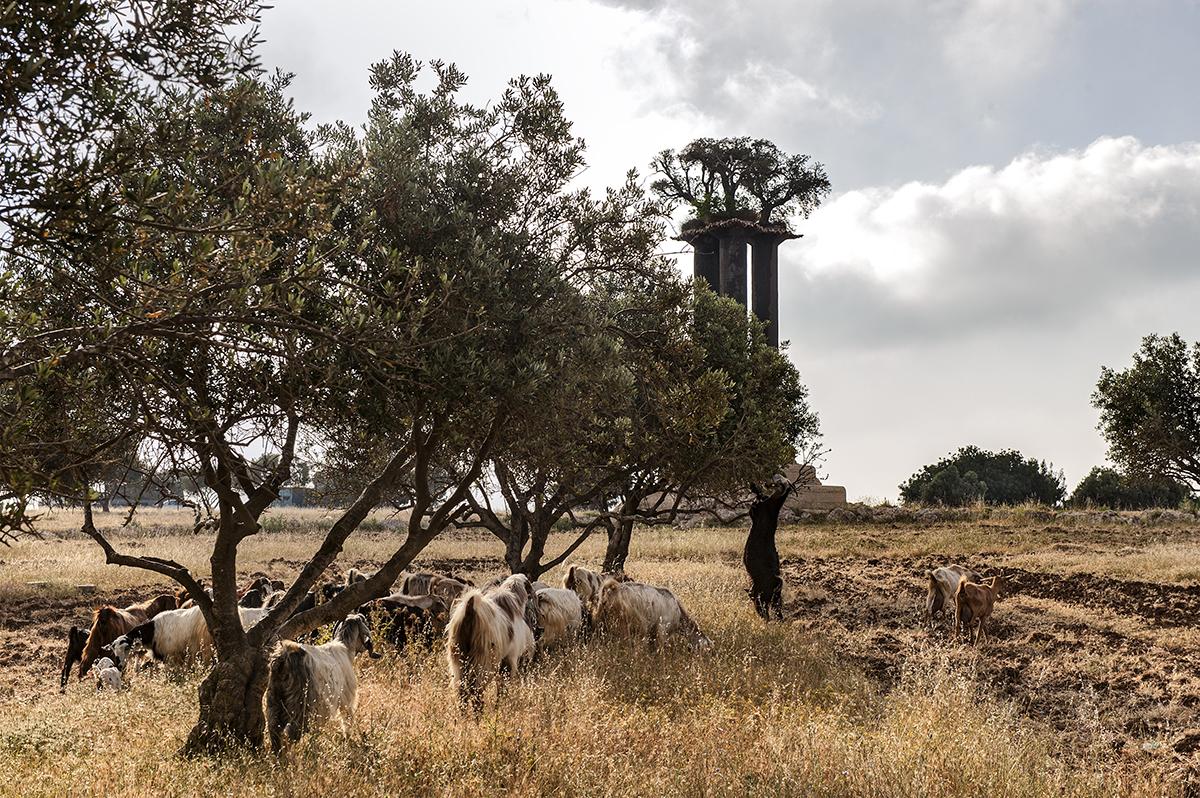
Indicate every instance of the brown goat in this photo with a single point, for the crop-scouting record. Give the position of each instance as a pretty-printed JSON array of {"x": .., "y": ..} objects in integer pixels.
[
  {"x": 943, "y": 582},
  {"x": 973, "y": 605},
  {"x": 108, "y": 623}
]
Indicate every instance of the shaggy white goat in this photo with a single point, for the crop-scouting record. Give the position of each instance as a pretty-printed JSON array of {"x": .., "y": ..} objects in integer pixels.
[
  {"x": 560, "y": 614},
  {"x": 308, "y": 685},
  {"x": 632, "y": 609},
  {"x": 488, "y": 634}
]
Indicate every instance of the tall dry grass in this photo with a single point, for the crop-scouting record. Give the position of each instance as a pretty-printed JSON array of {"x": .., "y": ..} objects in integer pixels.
[{"x": 771, "y": 711}]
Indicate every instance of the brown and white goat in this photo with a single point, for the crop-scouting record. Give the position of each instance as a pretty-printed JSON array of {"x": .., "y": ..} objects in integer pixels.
[
  {"x": 973, "y": 605},
  {"x": 488, "y": 635},
  {"x": 943, "y": 582},
  {"x": 586, "y": 584},
  {"x": 632, "y": 609},
  {"x": 427, "y": 584},
  {"x": 108, "y": 623}
]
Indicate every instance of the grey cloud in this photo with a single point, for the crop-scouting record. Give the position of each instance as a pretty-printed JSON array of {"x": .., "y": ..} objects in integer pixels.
[
  {"x": 981, "y": 309},
  {"x": 885, "y": 92}
]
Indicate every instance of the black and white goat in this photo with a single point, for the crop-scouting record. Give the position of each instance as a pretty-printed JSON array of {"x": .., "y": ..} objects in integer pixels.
[{"x": 178, "y": 637}]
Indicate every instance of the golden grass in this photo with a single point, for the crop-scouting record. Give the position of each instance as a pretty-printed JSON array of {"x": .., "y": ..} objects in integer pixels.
[
  {"x": 773, "y": 710},
  {"x": 770, "y": 712}
]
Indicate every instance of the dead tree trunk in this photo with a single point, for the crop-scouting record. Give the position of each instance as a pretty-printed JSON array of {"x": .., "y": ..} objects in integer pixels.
[{"x": 761, "y": 557}]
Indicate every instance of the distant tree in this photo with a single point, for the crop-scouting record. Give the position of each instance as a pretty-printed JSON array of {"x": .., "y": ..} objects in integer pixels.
[
  {"x": 971, "y": 474},
  {"x": 741, "y": 177},
  {"x": 1107, "y": 487},
  {"x": 952, "y": 489},
  {"x": 1150, "y": 412}
]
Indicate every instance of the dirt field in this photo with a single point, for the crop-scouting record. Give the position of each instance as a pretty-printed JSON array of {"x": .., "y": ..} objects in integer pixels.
[{"x": 1095, "y": 651}]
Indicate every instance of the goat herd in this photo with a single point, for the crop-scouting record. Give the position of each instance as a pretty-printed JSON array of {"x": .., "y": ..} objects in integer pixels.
[{"x": 491, "y": 630}]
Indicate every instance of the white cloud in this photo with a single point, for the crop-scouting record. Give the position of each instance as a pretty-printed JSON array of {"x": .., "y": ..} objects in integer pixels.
[
  {"x": 1036, "y": 233},
  {"x": 980, "y": 309}
]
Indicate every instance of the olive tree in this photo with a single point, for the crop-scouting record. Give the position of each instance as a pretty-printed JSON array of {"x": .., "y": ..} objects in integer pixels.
[
  {"x": 713, "y": 409},
  {"x": 1150, "y": 411},
  {"x": 282, "y": 286},
  {"x": 75, "y": 73}
]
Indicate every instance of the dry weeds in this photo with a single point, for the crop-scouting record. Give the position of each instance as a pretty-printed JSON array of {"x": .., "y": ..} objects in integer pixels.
[{"x": 850, "y": 698}]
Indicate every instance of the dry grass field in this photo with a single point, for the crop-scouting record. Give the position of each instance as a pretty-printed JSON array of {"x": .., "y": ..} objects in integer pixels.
[{"x": 1090, "y": 686}]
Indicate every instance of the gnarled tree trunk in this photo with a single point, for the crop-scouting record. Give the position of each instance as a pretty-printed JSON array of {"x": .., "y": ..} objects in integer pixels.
[
  {"x": 231, "y": 704},
  {"x": 617, "y": 550}
]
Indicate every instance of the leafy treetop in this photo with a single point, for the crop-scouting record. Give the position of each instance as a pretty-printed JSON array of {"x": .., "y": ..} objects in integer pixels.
[
  {"x": 745, "y": 178},
  {"x": 1150, "y": 412}
]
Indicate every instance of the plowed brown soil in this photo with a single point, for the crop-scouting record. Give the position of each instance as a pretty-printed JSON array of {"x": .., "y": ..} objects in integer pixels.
[{"x": 1109, "y": 663}]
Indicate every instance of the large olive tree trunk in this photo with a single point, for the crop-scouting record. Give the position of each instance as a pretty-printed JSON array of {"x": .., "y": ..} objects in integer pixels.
[{"x": 231, "y": 704}]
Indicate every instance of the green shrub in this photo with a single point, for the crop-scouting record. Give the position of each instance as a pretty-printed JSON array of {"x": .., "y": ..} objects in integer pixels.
[
  {"x": 1107, "y": 487},
  {"x": 972, "y": 474}
]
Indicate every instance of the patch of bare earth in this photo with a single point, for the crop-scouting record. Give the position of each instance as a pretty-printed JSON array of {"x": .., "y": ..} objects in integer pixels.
[{"x": 1108, "y": 663}]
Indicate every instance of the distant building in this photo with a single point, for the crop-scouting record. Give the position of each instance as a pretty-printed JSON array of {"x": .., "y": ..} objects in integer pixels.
[
  {"x": 293, "y": 496},
  {"x": 812, "y": 495}
]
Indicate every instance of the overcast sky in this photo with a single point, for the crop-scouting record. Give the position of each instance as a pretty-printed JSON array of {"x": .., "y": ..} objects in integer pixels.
[{"x": 1016, "y": 182}]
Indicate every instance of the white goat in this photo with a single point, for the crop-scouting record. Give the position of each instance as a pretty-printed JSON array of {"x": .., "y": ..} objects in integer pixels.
[
  {"x": 312, "y": 684},
  {"x": 107, "y": 674},
  {"x": 488, "y": 634},
  {"x": 560, "y": 615},
  {"x": 632, "y": 609}
]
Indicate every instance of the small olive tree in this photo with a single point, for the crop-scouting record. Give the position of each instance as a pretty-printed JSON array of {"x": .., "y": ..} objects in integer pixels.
[{"x": 1150, "y": 411}]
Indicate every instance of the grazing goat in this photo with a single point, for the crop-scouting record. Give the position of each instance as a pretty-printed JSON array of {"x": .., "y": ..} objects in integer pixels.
[
  {"x": 178, "y": 636},
  {"x": 560, "y": 615},
  {"x": 632, "y": 609},
  {"x": 973, "y": 605},
  {"x": 760, "y": 556},
  {"x": 489, "y": 634},
  {"x": 585, "y": 583},
  {"x": 943, "y": 582},
  {"x": 108, "y": 623},
  {"x": 107, "y": 674},
  {"x": 307, "y": 684},
  {"x": 399, "y": 617},
  {"x": 260, "y": 592},
  {"x": 427, "y": 584}
]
